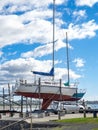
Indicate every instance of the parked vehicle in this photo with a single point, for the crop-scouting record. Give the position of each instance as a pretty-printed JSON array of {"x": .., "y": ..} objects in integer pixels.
[
  {"x": 67, "y": 108},
  {"x": 81, "y": 108},
  {"x": 87, "y": 108},
  {"x": 71, "y": 108}
]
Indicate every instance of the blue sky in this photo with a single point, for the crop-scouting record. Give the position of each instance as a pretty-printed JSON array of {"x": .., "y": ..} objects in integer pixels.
[{"x": 26, "y": 36}]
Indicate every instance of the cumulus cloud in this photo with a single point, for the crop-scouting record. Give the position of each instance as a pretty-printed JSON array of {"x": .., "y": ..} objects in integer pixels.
[
  {"x": 84, "y": 30},
  {"x": 22, "y": 6},
  {"x": 1, "y": 53},
  {"x": 79, "y": 62},
  {"x": 86, "y": 2},
  {"x": 34, "y": 25},
  {"x": 44, "y": 49},
  {"x": 63, "y": 72},
  {"x": 21, "y": 69},
  {"x": 14, "y": 31},
  {"x": 78, "y": 15},
  {"x": 30, "y": 22}
]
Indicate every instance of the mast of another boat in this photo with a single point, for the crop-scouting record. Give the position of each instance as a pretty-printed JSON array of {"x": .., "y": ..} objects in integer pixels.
[
  {"x": 67, "y": 52},
  {"x": 53, "y": 33}
]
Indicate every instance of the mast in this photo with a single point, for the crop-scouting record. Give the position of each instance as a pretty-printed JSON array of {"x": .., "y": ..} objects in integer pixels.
[
  {"x": 53, "y": 32},
  {"x": 68, "y": 80}
]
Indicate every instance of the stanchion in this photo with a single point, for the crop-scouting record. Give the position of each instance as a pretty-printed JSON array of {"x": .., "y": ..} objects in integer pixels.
[
  {"x": 84, "y": 112},
  {"x": 0, "y": 116},
  {"x": 59, "y": 115},
  {"x": 94, "y": 114}
]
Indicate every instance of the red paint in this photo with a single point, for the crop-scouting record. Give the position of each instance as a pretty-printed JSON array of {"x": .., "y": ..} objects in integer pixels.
[{"x": 47, "y": 98}]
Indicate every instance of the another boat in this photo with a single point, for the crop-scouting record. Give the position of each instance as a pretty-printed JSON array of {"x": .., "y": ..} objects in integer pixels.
[{"x": 47, "y": 90}]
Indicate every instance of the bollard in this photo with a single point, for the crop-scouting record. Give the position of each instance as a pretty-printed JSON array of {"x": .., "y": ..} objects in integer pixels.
[
  {"x": 27, "y": 114},
  {"x": 59, "y": 115},
  {"x": 11, "y": 114},
  {"x": 94, "y": 114},
  {"x": 84, "y": 112},
  {"x": 0, "y": 116},
  {"x": 21, "y": 126},
  {"x": 21, "y": 115}
]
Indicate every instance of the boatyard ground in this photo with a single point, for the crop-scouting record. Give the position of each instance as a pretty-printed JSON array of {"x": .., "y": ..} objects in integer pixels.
[{"x": 67, "y": 122}]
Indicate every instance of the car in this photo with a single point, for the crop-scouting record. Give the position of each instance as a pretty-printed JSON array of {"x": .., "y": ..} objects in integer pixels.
[
  {"x": 81, "y": 108},
  {"x": 67, "y": 107},
  {"x": 71, "y": 108},
  {"x": 87, "y": 108}
]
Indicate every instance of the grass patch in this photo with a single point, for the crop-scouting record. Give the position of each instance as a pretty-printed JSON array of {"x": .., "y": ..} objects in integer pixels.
[
  {"x": 79, "y": 120},
  {"x": 76, "y": 123}
]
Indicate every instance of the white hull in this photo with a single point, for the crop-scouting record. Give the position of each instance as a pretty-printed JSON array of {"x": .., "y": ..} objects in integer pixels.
[
  {"x": 45, "y": 89},
  {"x": 49, "y": 92}
]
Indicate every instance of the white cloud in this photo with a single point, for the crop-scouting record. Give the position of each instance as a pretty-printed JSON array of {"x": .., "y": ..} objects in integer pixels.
[
  {"x": 21, "y": 69},
  {"x": 73, "y": 75},
  {"x": 19, "y": 5},
  {"x": 86, "y": 2},
  {"x": 85, "y": 30},
  {"x": 33, "y": 26},
  {"x": 79, "y": 62},
  {"x": 2, "y": 58},
  {"x": 63, "y": 74},
  {"x": 1, "y": 53},
  {"x": 12, "y": 53},
  {"x": 44, "y": 50},
  {"x": 80, "y": 14},
  {"x": 13, "y": 30},
  {"x": 11, "y": 6}
]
